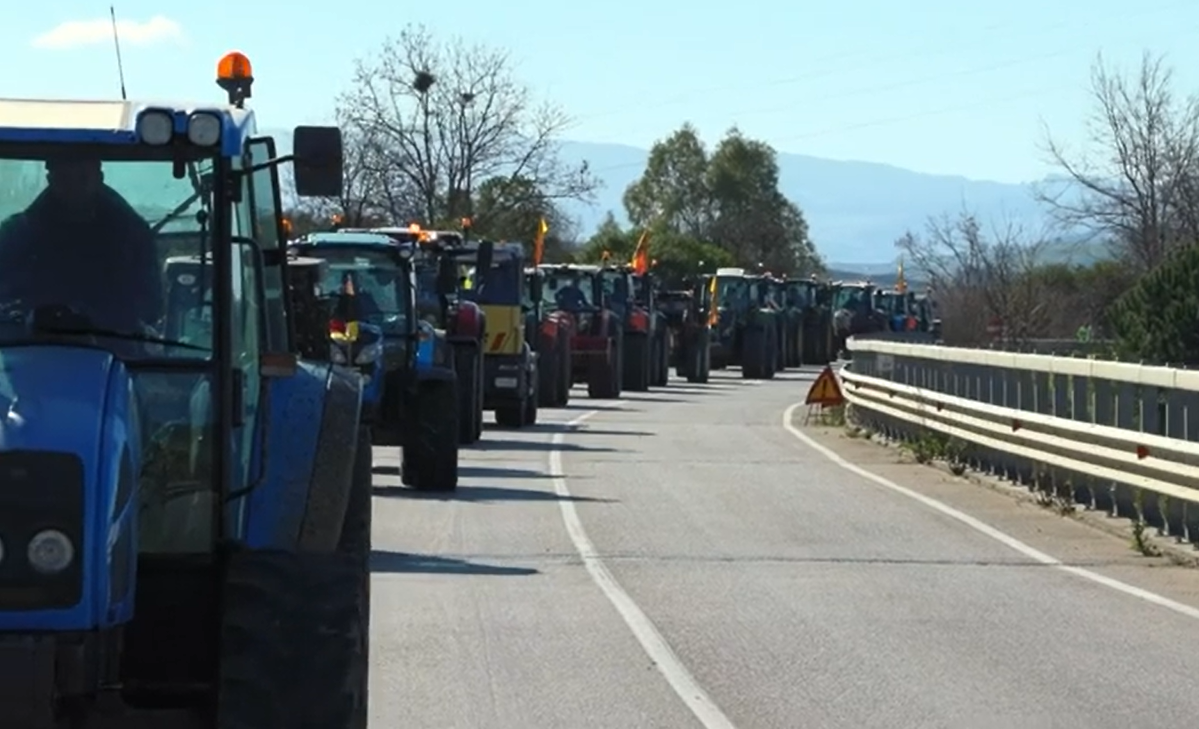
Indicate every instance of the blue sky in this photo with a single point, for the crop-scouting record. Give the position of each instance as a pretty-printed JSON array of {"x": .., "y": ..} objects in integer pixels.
[{"x": 931, "y": 85}]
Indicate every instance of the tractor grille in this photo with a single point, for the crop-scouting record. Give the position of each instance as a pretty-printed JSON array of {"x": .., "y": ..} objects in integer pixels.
[{"x": 39, "y": 490}]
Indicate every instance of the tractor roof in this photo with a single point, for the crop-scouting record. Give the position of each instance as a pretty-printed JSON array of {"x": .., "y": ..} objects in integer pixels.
[
  {"x": 723, "y": 272},
  {"x": 346, "y": 238},
  {"x": 111, "y": 122},
  {"x": 576, "y": 267}
]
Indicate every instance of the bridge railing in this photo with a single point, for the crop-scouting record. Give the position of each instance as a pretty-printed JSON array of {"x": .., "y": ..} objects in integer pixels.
[{"x": 1110, "y": 435}]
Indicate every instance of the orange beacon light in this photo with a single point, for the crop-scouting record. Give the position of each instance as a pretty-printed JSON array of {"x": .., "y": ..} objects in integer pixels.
[{"x": 235, "y": 75}]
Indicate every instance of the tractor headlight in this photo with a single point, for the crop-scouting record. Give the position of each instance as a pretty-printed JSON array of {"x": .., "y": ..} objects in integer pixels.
[
  {"x": 50, "y": 552},
  {"x": 155, "y": 127},
  {"x": 369, "y": 353},
  {"x": 336, "y": 355},
  {"x": 203, "y": 129}
]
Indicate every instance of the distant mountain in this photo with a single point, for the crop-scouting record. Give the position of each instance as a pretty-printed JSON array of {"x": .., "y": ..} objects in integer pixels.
[{"x": 855, "y": 210}]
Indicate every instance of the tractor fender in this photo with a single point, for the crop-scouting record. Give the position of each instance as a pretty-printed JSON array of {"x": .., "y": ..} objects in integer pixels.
[
  {"x": 468, "y": 321},
  {"x": 291, "y": 410},
  {"x": 82, "y": 402},
  {"x": 333, "y": 463}
]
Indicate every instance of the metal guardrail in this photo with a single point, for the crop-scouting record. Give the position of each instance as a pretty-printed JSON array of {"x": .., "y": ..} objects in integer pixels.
[{"x": 1109, "y": 434}]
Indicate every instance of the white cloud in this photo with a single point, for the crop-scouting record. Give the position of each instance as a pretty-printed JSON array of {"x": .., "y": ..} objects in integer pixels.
[{"x": 77, "y": 33}]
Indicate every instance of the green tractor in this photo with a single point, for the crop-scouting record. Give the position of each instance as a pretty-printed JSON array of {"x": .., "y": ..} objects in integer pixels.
[
  {"x": 854, "y": 313},
  {"x": 907, "y": 312},
  {"x": 746, "y": 332},
  {"x": 814, "y": 298}
]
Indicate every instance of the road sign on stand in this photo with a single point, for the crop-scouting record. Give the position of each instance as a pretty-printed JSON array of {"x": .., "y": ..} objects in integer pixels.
[{"x": 824, "y": 393}]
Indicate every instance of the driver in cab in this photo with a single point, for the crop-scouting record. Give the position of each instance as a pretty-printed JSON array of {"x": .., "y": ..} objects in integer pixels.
[
  {"x": 570, "y": 297},
  {"x": 80, "y": 244}
]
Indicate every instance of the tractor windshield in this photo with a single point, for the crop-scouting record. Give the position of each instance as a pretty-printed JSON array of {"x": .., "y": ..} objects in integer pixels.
[
  {"x": 85, "y": 235},
  {"x": 569, "y": 290},
  {"x": 855, "y": 298},
  {"x": 378, "y": 280},
  {"x": 797, "y": 295},
  {"x": 504, "y": 285}
]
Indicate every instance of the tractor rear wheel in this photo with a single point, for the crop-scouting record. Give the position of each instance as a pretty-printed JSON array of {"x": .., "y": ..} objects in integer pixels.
[
  {"x": 469, "y": 365},
  {"x": 296, "y": 630},
  {"x": 430, "y": 459},
  {"x": 754, "y": 354},
  {"x": 564, "y": 372},
  {"x": 548, "y": 372},
  {"x": 638, "y": 358},
  {"x": 603, "y": 375}
]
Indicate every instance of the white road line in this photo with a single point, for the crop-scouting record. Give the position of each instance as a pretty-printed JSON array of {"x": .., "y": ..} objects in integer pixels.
[
  {"x": 990, "y": 531},
  {"x": 655, "y": 646}
]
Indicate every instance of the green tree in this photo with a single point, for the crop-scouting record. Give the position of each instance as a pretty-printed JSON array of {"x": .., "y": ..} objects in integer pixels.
[
  {"x": 673, "y": 189},
  {"x": 1155, "y": 321},
  {"x": 729, "y": 199}
]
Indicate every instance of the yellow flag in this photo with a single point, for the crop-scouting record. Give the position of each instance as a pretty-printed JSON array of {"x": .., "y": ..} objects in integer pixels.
[
  {"x": 713, "y": 308},
  {"x": 539, "y": 242},
  {"x": 640, "y": 259}
]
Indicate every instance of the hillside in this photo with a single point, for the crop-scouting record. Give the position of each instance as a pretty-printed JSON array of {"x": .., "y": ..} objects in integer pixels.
[{"x": 855, "y": 210}]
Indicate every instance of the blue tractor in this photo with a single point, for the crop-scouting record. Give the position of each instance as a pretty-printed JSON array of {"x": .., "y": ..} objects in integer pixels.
[
  {"x": 411, "y": 386},
  {"x": 185, "y": 490}
]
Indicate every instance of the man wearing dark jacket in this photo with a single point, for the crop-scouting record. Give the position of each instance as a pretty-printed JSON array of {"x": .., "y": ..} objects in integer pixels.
[{"x": 80, "y": 244}]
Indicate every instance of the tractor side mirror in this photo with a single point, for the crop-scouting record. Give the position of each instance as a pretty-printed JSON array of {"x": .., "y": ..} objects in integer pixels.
[
  {"x": 318, "y": 161},
  {"x": 536, "y": 288}
]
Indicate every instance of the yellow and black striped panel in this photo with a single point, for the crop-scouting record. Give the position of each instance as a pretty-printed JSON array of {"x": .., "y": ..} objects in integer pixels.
[{"x": 505, "y": 330}]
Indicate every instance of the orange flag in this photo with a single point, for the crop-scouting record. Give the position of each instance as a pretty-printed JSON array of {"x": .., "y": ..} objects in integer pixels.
[
  {"x": 539, "y": 242},
  {"x": 641, "y": 254}
]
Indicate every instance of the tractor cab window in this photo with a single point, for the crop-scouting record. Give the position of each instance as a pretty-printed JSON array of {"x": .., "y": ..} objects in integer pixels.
[
  {"x": 796, "y": 295},
  {"x": 617, "y": 290},
  {"x": 569, "y": 290},
  {"x": 505, "y": 283},
  {"x": 853, "y": 298},
  {"x": 641, "y": 290},
  {"x": 379, "y": 284},
  {"x": 428, "y": 303},
  {"x": 730, "y": 290},
  {"x": 84, "y": 236}
]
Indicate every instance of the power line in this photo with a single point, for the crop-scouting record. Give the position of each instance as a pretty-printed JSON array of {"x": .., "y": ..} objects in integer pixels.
[{"x": 831, "y": 67}]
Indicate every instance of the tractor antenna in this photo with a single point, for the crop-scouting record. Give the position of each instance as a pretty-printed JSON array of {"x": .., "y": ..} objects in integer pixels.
[{"x": 116, "y": 42}]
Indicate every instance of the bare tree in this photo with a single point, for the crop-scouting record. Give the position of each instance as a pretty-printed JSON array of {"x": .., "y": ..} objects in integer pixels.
[
  {"x": 442, "y": 118},
  {"x": 977, "y": 279},
  {"x": 1135, "y": 181}
]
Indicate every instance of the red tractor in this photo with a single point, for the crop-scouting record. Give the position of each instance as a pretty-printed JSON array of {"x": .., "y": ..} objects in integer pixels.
[
  {"x": 597, "y": 344},
  {"x": 549, "y": 332}
]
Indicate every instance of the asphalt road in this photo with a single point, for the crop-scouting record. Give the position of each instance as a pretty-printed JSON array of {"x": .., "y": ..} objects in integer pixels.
[{"x": 697, "y": 565}]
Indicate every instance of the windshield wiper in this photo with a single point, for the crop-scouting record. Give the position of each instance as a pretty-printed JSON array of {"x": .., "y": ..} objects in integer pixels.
[{"x": 80, "y": 330}]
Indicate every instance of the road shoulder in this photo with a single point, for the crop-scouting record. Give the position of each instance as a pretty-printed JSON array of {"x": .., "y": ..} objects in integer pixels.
[{"x": 1087, "y": 539}]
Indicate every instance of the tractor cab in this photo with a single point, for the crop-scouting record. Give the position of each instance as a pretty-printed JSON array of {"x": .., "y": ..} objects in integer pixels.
[
  {"x": 597, "y": 329},
  {"x": 369, "y": 283},
  {"x": 164, "y": 436}
]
